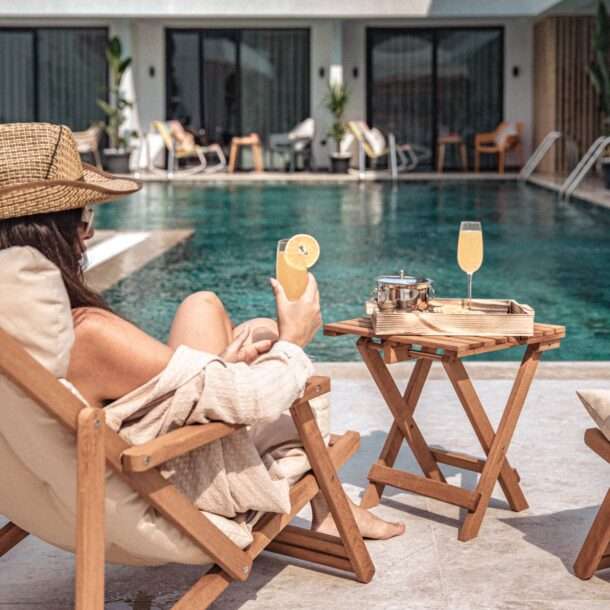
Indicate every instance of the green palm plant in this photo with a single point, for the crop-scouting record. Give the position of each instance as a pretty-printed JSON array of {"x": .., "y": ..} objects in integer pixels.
[
  {"x": 336, "y": 103},
  {"x": 116, "y": 108},
  {"x": 599, "y": 70}
]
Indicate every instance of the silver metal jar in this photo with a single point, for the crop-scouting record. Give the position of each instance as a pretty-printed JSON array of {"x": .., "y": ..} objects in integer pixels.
[{"x": 403, "y": 292}]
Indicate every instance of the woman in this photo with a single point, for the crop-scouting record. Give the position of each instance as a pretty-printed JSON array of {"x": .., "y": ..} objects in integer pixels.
[{"x": 46, "y": 204}]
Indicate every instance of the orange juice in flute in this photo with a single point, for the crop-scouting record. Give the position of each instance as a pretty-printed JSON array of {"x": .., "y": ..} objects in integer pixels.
[
  {"x": 470, "y": 251},
  {"x": 293, "y": 259}
]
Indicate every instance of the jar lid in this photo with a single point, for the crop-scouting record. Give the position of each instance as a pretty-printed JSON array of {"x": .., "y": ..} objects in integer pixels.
[{"x": 404, "y": 280}]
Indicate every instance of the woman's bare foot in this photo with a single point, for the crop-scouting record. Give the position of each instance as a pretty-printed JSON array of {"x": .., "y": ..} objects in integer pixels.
[{"x": 370, "y": 526}]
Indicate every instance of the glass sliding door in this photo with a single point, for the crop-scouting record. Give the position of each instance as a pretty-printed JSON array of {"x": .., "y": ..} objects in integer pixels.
[
  {"x": 469, "y": 85},
  {"x": 423, "y": 83},
  {"x": 72, "y": 75},
  {"x": 17, "y": 70},
  {"x": 274, "y": 79},
  {"x": 220, "y": 76},
  {"x": 239, "y": 81},
  {"x": 183, "y": 91},
  {"x": 401, "y": 84},
  {"x": 53, "y": 74}
]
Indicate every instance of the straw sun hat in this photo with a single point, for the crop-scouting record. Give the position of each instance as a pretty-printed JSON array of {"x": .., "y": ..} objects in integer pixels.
[{"x": 41, "y": 171}]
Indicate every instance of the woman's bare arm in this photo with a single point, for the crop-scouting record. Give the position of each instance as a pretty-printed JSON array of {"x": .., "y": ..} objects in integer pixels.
[{"x": 111, "y": 356}]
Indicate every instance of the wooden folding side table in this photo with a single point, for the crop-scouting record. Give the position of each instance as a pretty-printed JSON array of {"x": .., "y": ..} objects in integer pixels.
[{"x": 379, "y": 352}]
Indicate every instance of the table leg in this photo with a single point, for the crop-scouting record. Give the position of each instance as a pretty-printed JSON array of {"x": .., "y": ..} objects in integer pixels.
[
  {"x": 404, "y": 425},
  {"x": 440, "y": 158},
  {"x": 232, "y": 157},
  {"x": 497, "y": 454},
  {"x": 509, "y": 479},
  {"x": 257, "y": 153}
]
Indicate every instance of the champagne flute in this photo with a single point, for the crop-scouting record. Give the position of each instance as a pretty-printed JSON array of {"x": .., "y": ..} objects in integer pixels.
[{"x": 470, "y": 251}]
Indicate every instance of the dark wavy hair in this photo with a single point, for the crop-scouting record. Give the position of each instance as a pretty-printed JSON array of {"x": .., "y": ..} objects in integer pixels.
[{"x": 55, "y": 235}]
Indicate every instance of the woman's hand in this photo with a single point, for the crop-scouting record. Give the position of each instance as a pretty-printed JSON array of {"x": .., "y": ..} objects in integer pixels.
[
  {"x": 298, "y": 320},
  {"x": 243, "y": 349}
]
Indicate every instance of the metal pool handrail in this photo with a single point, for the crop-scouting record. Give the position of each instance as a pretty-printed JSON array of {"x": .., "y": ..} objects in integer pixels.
[
  {"x": 583, "y": 166},
  {"x": 538, "y": 154}
]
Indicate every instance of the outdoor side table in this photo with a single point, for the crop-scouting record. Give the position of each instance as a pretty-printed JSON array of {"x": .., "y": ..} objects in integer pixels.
[
  {"x": 442, "y": 142},
  {"x": 378, "y": 352},
  {"x": 253, "y": 140}
]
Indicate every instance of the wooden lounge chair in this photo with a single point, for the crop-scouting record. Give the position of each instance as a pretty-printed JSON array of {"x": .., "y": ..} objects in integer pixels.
[
  {"x": 70, "y": 479},
  {"x": 180, "y": 146},
  {"x": 506, "y": 137},
  {"x": 372, "y": 143},
  {"x": 595, "y": 552}
]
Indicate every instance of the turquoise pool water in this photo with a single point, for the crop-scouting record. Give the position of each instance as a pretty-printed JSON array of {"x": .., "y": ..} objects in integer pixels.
[{"x": 554, "y": 256}]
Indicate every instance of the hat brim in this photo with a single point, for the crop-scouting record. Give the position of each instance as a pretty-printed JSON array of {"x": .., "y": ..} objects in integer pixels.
[{"x": 44, "y": 196}]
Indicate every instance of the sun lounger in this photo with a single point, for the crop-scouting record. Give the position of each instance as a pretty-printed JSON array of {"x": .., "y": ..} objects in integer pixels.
[
  {"x": 595, "y": 552},
  {"x": 180, "y": 146},
  {"x": 69, "y": 479},
  {"x": 372, "y": 143}
]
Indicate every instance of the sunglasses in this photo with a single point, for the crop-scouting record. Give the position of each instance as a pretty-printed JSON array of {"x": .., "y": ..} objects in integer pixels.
[{"x": 87, "y": 219}]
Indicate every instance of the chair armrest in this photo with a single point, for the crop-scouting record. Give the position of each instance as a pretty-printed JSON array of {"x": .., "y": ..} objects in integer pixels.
[
  {"x": 598, "y": 442},
  {"x": 316, "y": 386},
  {"x": 140, "y": 458}
]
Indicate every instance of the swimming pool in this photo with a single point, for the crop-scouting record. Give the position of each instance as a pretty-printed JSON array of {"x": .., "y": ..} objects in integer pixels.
[{"x": 552, "y": 255}]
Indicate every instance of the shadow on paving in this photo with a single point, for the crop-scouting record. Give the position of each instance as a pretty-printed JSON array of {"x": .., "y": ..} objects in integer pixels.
[{"x": 561, "y": 534}]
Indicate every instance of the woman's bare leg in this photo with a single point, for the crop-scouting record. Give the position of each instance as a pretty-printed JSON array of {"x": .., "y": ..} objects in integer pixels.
[
  {"x": 370, "y": 526},
  {"x": 202, "y": 323}
]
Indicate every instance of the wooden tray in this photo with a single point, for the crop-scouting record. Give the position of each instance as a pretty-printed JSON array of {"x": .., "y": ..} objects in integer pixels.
[{"x": 486, "y": 318}]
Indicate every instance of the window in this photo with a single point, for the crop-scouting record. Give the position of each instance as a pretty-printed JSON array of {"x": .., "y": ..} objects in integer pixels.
[{"x": 53, "y": 74}]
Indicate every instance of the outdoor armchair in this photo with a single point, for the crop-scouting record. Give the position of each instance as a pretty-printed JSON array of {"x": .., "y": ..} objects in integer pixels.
[
  {"x": 296, "y": 143},
  {"x": 71, "y": 480},
  {"x": 506, "y": 137}
]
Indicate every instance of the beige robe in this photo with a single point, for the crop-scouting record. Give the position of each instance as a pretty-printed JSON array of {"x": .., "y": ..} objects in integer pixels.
[{"x": 252, "y": 469}]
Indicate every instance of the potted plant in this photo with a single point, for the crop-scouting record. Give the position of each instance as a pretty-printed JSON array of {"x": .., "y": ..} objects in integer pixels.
[
  {"x": 116, "y": 157},
  {"x": 336, "y": 101},
  {"x": 599, "y": 73}
]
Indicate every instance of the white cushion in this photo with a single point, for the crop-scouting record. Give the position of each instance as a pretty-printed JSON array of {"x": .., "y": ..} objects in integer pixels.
[
  {"x": 597, "y": 403},
  {"x": 305, "y": 129},
  {"x": 376, "y": 140},
  {"x": 303, "y": 132},
  {"x": 506, "y": 131},
  {"x": 38, "y": 474}
]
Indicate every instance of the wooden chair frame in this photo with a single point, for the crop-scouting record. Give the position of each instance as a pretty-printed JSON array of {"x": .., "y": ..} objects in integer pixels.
[
  {"x": 485, "y": 143},
  {"x": 98, "y": 445},
  {"x": 595, "y": 552}
]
